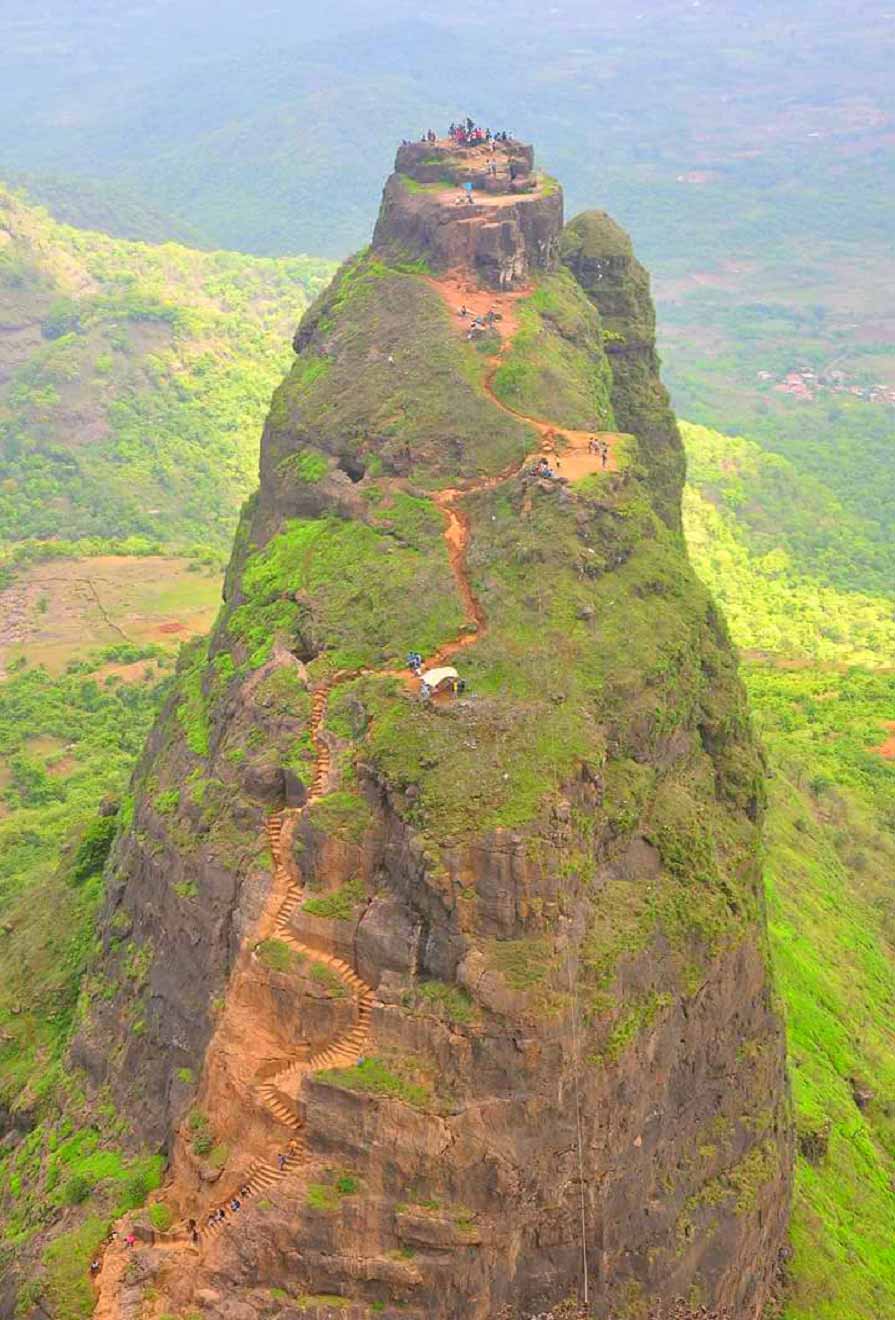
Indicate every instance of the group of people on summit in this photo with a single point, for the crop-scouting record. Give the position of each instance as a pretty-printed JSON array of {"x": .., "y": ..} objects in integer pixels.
[
  {"x": 470, "y": 134},
  {"x": 466, "y": 134}
]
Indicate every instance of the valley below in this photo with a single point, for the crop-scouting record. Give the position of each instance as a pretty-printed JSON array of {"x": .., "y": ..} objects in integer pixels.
[{"x": 134, "y": 383}]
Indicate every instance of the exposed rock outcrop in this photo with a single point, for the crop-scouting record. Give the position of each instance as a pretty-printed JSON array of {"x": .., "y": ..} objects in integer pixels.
[
  {"x": 444, "y": 206},
  {"x": 530, "y": 917},
  {"x": 600, "y": 256}
]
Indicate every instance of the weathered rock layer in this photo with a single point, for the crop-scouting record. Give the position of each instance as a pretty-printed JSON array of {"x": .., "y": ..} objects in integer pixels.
[
  {"x": 446, "y": 207},
  {"x": 574, "y": 1061}
]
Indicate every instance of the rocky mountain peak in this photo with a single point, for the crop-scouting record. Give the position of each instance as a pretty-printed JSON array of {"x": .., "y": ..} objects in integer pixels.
[
  {"x": 479, "y": 205},
  {"x": 442, "y": 866}
]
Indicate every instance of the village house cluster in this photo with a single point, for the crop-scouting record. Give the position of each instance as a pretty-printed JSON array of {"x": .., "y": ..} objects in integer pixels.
[{"x": 802, "y": 383}]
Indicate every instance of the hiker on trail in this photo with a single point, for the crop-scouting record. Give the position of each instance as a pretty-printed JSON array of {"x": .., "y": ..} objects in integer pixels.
[
  {"x": 281, "y": 1162},
  {"x": 94, "y": 1267},
  {"x": 425, "y": 692},
  {"x": 593, "y": 445},
  {"x": 414, "y": 661},
  {"x": 130, "y": 1240},
  {"x": 463, "y": 311},
  {"x": 604, "y": 453},
  {"x": 235, "y": 1204}
]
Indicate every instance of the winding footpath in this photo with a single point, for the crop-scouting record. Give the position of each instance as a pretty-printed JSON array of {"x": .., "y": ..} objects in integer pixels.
[{"x": 279, "y": 1080}]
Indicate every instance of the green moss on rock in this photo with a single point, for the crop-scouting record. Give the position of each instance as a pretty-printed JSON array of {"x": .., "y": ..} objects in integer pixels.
[
  {"x": 599, "y": 254},
  {"x": 556, "y": 367},
  {"x": 367, "y": 595},
  {"x": 398, "y": 381}
]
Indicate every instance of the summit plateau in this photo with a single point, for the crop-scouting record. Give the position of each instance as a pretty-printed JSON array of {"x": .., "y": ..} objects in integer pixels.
[{"x": 434, "y": 949}]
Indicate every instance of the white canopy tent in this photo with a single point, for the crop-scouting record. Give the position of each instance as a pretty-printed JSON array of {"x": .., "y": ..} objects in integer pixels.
[{"x": 433, "y": 678}]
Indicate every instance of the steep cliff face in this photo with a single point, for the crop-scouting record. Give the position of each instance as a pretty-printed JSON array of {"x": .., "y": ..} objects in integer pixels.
[
  {"x": 600, "y": 256},
  {"x": 492, "y": 1008},
  {"x": 484, "y": 210}
]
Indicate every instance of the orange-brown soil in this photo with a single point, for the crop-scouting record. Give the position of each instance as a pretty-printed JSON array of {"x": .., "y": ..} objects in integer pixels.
[
  {"x": 458, "y": 291},
  {"x": 569, "y": 451},
  {"x": 241, "y": 1075},
  {"x": 886, "y": 748}
]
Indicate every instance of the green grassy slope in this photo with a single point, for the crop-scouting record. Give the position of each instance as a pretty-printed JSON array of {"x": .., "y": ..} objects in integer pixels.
[
  {"x": 134, "y": 380},
  {"x": 413, "y": 390},
  {"x": 821, "y": 696},
  {"x": 782, "y": 555},
  {"x": 65, "y": 743}
]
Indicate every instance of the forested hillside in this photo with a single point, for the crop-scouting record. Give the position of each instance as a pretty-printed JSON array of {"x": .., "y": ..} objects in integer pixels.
[
  {"x": 133, "y": 381},
  {"x": 776, "y": 548}
]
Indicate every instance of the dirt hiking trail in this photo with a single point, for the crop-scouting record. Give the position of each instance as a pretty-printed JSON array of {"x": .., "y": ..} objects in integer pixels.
[
  {"x": 571, "y": 452},
  {"x": 278, "y": 1080}
]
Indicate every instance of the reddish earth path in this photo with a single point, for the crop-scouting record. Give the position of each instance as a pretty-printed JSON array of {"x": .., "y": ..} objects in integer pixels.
[
  {"x": 570, "y": 452},
  {"x": 279, "y": 1080},
  {"x": 886, "y": 748}
]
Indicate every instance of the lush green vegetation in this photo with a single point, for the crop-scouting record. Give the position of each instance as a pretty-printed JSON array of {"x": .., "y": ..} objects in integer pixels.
[
  {"x": 831, "y": 851},
  {"x": 399, "y": 569},
  {"x": 549, "y": 371},
  {"x": 339, "y": 904},
  {"x": 420, "y": 383},
  {"x": 137, "y": 407},
  {"x": 279, "y": 956},
  {"x": 65, "y": 744},
  {"x": 397, "y": 1078},
  {"x": 773, "y": 544}
]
